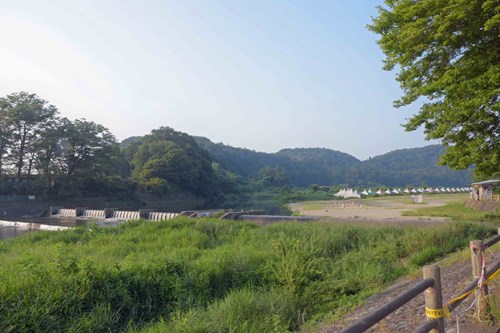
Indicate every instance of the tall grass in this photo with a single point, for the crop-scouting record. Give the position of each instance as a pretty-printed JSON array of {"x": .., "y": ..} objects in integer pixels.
[
  {"x": 206, "y": 275},
  {"x": 456, "y": 211}
]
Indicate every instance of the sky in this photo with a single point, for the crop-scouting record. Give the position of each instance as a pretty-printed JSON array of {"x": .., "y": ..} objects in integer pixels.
[{"x": 262, "y": 74}]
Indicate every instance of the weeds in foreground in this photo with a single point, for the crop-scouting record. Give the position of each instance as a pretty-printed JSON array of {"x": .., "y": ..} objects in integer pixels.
[{"x": 206, "y": 275}]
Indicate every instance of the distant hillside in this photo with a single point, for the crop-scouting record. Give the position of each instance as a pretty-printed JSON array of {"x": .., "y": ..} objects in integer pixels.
[
  {"x": 413, "y": 166},
  {"x": 244, "y": 162},
  {"x": 305, "y": 166}
]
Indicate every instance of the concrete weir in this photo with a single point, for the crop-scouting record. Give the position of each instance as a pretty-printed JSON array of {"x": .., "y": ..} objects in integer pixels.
[
  {"x": 125, "y": 215},
  {"x": 109, "y": 214},
  {"x": 155, "y": 216},
  {"x": 94, "y": 213},
  {"x": 64, "y": 212}
]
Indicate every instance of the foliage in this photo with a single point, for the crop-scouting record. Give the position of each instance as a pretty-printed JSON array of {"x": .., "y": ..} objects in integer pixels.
[
  {"x": 205, "y": 275},
  {"x": 416, "y": 166},
  {"x": 305, "y": 166},
  {"x": 59, "y": 158},
  {"x": 273, "y": 176},
  {"x": 456, "y": 211},
  {"x": 447, "y": 54},
  {"x": 175, "y": 158},
  {"x": 24, "y": 118},
  {"x": 55, "y": 155}
]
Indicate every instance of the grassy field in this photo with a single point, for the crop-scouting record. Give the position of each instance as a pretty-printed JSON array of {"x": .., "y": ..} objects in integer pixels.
[
  {"x": 202, "y": 275},
  {"x": 456, "y": 211}
]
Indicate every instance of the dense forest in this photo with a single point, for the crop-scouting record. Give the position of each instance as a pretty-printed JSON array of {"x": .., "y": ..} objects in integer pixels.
[
  {"x": 304, "y": 166},
  {"x": 44, "y": 154}
]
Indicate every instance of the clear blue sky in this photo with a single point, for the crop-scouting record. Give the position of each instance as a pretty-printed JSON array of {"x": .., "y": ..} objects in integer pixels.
[{"x": 260, "y": 74}]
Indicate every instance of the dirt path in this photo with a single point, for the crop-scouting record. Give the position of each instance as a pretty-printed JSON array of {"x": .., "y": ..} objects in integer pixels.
[
  {"x": 411, "y": 315},
  {"x": 454, "y": 277}
]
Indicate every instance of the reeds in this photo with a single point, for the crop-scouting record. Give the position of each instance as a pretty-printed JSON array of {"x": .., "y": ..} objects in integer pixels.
[{"x": 206, "y": 275}]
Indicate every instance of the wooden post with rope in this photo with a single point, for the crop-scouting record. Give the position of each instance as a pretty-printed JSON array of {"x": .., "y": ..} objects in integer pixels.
[
  {"x": 498, "y": 227},
  {"x": 478, "y": 272},
  {"x": 434, "y": 298}
]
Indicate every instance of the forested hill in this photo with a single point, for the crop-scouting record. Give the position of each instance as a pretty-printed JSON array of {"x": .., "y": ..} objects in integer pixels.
[
  {"x": 305, "y": 166},
  {"x": 415, "y": 166},
  {"x": 301, "y": 166}
]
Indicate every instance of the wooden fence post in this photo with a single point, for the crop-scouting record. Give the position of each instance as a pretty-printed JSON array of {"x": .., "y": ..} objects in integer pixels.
[
  {"x": 478, "y": 270},
  {"x": 434, "y": 298},
  {"x": 499, "y": 230}
]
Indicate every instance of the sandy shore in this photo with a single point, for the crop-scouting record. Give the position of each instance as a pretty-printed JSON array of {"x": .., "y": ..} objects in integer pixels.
[{"x": 376, "y": 210}]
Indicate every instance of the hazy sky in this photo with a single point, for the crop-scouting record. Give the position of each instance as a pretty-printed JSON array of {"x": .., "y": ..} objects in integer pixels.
[{"x": 259, "y": 74}]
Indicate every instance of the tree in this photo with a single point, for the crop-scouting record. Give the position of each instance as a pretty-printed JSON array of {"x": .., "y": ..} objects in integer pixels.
[
  {"x": 448, "y": 57},
  {"x": 175, "y": 158},
  {"x": 273, "y": 176},
  {"x": 26, "y": 114},
  {"x": 49, "y": 159},
  {"x": 85, "y": 143},
  {"x": 87, "y": 154},
  {"x": 5, "y": 136}
]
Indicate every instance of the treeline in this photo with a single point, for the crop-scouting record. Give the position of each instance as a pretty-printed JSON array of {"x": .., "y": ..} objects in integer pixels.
[
  {"x": 42, "y": 153},
  {"x": 304, "y": 166}
]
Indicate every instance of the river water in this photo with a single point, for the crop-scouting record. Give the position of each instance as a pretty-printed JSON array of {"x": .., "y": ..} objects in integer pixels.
[{"x": 10, "y": 231}]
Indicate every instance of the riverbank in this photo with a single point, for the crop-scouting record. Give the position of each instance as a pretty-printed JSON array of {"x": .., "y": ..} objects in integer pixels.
[{"x": 379, "y": 210}]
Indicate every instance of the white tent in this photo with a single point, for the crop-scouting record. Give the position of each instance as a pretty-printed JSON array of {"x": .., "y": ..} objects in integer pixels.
[{"x": 343, "y": 193}]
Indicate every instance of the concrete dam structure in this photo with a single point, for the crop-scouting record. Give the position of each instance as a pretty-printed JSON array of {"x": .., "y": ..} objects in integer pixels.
[{"x": 110, "y": 214}]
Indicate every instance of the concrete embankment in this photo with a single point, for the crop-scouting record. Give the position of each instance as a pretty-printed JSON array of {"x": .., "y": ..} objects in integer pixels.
[{"x": 12, "y": 208}]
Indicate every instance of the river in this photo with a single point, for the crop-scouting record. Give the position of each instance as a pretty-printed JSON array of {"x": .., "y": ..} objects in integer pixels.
[{"x": 12, "y": 231}]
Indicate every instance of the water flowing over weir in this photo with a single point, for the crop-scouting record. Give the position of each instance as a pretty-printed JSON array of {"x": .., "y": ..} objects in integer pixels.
[
  {"x": 57, "y": 218},
  {"x": 93, "y": 213},
  {"x": 154, "y": 216},
  {"x": 67, "y": 212},
  {"x": 110, "y": 214},
  {"x": 125, "y": 215}
]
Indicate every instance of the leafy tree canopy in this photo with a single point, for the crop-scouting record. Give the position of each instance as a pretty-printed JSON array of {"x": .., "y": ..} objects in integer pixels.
[
  {"x": 24, "y": 118},
  {"x": 168, "y": 160},
  {"x": 447, "y": 53}
]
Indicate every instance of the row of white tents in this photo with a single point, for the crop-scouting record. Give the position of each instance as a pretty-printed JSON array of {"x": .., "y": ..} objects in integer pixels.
[{"x": 350, "y": 193}]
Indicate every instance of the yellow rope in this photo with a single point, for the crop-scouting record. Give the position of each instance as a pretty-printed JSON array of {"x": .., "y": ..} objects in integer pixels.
[{"x": 464, "y": 295}]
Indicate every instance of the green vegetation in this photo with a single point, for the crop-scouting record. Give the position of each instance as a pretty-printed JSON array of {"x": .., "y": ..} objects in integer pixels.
[
  {"x": 207, "y": 275},
  {"x": 457, "y": 212},
  {"x": 305, "y": 166},
  {"x": 167, "y": 161},
  {"x": 44, "y": 154},
  {"x": 447, "y": 56},
  {"x": 54, "y": 158}
]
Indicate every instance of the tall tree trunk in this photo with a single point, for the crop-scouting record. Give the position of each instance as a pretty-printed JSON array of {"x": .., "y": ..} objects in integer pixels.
[{"x": 20, "y": 159}]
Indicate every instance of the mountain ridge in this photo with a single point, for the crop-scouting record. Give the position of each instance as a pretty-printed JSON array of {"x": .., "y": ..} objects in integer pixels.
[{"x": 305, "y": 166}]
